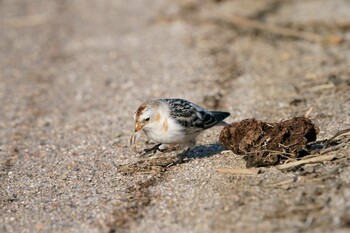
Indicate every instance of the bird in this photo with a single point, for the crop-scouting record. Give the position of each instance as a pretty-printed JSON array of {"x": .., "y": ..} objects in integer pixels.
[{"x": 174, "y": 121}]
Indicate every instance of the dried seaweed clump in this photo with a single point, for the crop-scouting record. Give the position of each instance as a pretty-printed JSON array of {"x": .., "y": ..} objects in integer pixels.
[{"x": 266, "y": 144}]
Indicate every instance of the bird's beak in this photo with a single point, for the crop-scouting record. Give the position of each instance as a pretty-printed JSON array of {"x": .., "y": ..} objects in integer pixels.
[{"x": 138, "y": 126}]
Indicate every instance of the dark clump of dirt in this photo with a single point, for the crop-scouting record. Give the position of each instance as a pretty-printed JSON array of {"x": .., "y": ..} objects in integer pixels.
[
  {"x": 267, "y": 144},
  {"x": 131, "y": 209}
]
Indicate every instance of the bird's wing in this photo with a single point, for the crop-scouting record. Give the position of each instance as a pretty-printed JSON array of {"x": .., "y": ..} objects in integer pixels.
[{"x": 193, "y": 117}]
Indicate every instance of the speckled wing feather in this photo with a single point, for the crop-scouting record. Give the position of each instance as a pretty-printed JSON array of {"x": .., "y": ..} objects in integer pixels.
[{"x": 193, "y": 117}]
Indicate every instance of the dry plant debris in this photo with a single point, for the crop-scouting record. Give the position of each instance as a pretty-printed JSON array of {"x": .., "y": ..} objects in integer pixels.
[
  {"x": 132, "y": 143},
  {"x": 266, "y": 144},
  {"x": 238, "y": 171},
  {"x": 316, "y": 159}
]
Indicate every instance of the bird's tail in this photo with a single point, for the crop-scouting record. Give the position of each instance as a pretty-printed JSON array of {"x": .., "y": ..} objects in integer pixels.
[{"x": 222, "y": 123}]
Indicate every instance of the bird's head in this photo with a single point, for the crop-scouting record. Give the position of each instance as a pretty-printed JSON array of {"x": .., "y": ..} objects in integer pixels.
[{"x": 146, "y": 115}]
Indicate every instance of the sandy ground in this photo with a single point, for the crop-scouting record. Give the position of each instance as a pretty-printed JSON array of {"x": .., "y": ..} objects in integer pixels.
[{"x": 72, "y": 73}]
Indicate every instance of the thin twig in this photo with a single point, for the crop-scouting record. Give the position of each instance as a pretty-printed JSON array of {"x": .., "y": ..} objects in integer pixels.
[
  {"x": 273, "y": 152},
  {"x": 333, "y": 148},
  {"x": 339, "y": 133},
  {"x": 308, "y": 112},
  {"x": 249, "y": 23},
  {"x": 322, "y": 87},
  {"x": 317, "y": 159},
  {"x": 278, "y": 30},
  {"x": 238, "y": 171},
  {"x": 132, "y": 143},
  {"x": 284, "y": 182},
  {"x": 27, "y": 21}
]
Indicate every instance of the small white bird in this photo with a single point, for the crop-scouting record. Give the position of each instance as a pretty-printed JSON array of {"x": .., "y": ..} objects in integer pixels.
[{"x": 175, "y": 121}]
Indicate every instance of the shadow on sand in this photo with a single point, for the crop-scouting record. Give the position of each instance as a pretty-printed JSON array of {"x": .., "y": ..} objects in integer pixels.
[{"x": 202, "y": 151}]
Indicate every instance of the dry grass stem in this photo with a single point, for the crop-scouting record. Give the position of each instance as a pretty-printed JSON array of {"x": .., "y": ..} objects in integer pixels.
[
  {"x": 133, "y": 144},
  {"x": 317, "y": 159},
  {"x": 339, "y": 133},
  {"x": 249, "y": 23},
  {"x": 238, "y": 171},
  {"x": 284, "y": 182},
  {"x": 308, "y": 112},
  {"x": 27, "y": 21}
]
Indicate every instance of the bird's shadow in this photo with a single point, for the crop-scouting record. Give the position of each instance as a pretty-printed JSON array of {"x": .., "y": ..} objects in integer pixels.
[{"x": 202, "y": 151}]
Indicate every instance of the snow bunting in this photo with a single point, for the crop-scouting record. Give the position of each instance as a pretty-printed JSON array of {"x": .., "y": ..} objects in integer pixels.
[{"x": 175, "y": 121}]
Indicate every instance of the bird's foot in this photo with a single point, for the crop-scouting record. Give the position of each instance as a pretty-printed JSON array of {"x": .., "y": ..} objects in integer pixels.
[
  {"x": 150, "y": 151},
  {"x": 159, "y": 147},
  {"x": 184, "y": 153}
]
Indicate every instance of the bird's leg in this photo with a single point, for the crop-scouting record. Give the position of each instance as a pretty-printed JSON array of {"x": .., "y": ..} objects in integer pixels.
[
  {"x": 150, "y": 150},
  {"x": 187, "y": 148},
  {"x": 167, "y": 148},
  {"x": 184, "y": 153}
]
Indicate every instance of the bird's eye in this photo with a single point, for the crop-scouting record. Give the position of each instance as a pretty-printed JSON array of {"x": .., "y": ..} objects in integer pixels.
[{"x": 147, "y": 119}]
